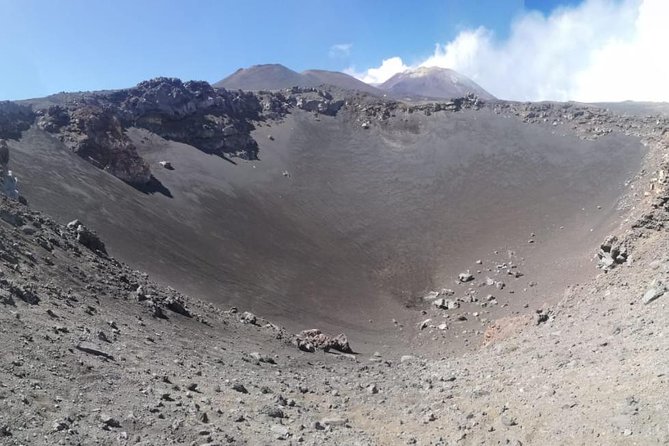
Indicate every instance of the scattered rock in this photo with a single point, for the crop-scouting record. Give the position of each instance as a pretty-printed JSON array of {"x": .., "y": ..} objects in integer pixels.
[
  {"x": 509, "y": 420},
  {"x": 4, "y": 431},
  {"x": 611, "y": 253},
  {"x": 465, "y": 277},
  {"x": 446, "y": 304},
  {"x": 335, "y": 421},
  {"x": 238, "y": 387},
  {"x": 656, "y": 289},
  {"x": 429, "y": 417},
  {"x": 305, "y": 346},
  {"x": 262, "y": 358},
  {"x": 431, "y": 295},
  {"x": 282, "y": 432},
  {"x": 248, "y": 318},
  {"x": 176, "y": 305},
  {"x": 89, "y": 239},
  {"x": 541, "y": 316},
  {"x": 92, "y": 349},
  {"x": 109, "y": 421},
  {"x": 59, "y": 426},
  {"x": 272, "y": 412}
]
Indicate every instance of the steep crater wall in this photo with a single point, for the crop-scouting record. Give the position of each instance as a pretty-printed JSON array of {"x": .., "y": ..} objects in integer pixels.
[{"x": 347, "y": 218}]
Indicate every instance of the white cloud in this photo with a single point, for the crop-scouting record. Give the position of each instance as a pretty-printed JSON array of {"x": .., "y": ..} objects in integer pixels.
[
  {"x": 600, "y": 50},
  {"x": 340, "y": 50},
  {"x": 378, "y": 75}
]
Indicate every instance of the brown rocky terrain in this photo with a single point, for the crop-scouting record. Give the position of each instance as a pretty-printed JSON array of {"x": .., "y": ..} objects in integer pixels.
[{"x": 529, "y": 323}]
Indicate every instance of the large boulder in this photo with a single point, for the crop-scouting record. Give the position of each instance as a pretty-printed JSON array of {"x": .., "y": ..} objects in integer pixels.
[{"x": 310, "y": 340}]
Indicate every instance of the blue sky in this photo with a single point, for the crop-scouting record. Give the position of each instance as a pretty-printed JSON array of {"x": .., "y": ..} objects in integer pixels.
[{"x": 48, "y": 46}]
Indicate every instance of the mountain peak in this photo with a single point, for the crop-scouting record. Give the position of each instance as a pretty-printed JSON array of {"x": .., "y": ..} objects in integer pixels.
[
  {"x": 433, "y": 83},
  {"x": 277, "y": 77},
  {"x": 260, "y": 77}
]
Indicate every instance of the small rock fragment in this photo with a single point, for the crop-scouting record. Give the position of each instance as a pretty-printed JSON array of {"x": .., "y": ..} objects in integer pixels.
[
  {"x": 655, "y": 291},
  {"x": 465, "y": 277},
  {"x": 272, "y": 412},
  {"x": 239, "y": 388},
  {"x": 335, "y": 421},
  {"x": 248, "y": 318}
]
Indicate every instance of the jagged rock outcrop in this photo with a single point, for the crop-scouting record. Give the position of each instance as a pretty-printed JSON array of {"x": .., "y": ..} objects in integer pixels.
[
  {"x": 314, "y": 100},
  {"x": 375, "y": 110},
  {"x": 14, "y": 119},
  {"x": 214, "y": 121},
  {"x": 96, "y": 135},
  {"x": 53, "y": 118}
]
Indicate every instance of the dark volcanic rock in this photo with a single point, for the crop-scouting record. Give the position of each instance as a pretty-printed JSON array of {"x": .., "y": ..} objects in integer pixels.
[
  {"x": 86, "y": 237},
  {"x": 318, "y": 101},
  {"x": 611, "y": 253},
  {"x": 97, "y": 135},
  {"x": 309, "y": 340},
  {"x": 194, "y": 113},
  {"x": 176, "y": 305},
  {"x": 53, "y": 118},
  {"x": 14, "y": 119},
  {"x": 214, "y": 121},
  {"x": 93, "y": 349}
]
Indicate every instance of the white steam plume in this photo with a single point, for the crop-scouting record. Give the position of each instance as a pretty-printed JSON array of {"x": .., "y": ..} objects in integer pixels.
[{"x": 600, "y": 50}]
